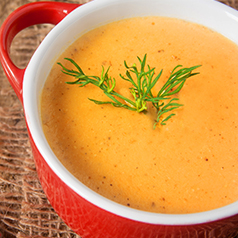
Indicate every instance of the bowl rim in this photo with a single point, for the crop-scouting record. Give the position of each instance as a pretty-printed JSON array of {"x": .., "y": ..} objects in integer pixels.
[{"x": 31, "y": 103}]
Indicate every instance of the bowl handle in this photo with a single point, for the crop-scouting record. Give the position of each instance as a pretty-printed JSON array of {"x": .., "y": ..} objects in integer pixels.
[{"x": 23, "y": 17}]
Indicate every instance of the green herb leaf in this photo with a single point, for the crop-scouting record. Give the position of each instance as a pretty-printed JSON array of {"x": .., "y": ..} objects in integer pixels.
[{"x": 142, "y": 82}]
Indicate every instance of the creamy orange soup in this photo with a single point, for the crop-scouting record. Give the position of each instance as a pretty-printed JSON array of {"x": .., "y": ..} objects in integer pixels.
[{"x": 188, "y": 165}]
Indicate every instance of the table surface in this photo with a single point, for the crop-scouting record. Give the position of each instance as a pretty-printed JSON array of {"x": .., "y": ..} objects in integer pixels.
[{"x": 24, "y": 208}]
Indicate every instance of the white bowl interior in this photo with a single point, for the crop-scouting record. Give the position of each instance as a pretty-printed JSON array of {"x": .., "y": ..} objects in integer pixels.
[{"x": 210, "y": 13}]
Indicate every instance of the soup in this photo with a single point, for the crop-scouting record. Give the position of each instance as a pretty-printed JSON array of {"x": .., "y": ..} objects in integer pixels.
[{"x": 188, "y": 165}]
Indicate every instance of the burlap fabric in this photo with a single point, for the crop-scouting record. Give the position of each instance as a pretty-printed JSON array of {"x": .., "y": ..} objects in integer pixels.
[{"x": 24, "y": 208}]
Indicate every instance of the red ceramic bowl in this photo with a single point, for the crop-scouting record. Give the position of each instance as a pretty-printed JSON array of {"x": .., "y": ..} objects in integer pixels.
[{"x": 86, "y": 212}]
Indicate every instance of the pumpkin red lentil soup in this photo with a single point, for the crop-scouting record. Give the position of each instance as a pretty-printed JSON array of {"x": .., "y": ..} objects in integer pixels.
[{"x": 190, "y": 164}]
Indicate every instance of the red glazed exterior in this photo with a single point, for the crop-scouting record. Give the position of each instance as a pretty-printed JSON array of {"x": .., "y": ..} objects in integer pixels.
[
  {"x": 23, "y": 17},
  {"x": 85, "y": 218}
]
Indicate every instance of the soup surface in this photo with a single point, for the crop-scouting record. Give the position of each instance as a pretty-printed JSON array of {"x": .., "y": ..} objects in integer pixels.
[{"x": 188, "y": 165}]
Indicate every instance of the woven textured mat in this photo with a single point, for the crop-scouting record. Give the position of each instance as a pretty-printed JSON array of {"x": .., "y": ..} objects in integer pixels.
[{"x": 24, "y": 208}]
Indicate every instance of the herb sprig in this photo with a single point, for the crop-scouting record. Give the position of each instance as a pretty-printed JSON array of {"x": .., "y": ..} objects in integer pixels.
[{"x": 142, "y": 80}]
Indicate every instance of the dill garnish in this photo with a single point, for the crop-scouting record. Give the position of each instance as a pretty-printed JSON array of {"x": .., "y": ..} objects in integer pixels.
[{"x": 142, "y": 82}]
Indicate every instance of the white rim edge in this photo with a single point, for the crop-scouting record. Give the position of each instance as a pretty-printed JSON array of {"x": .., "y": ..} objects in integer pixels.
[{"x": 78, "y": 187}]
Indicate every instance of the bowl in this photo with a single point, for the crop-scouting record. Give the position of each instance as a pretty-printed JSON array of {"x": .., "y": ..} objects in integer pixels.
[{"x": 86, "y": 212}]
